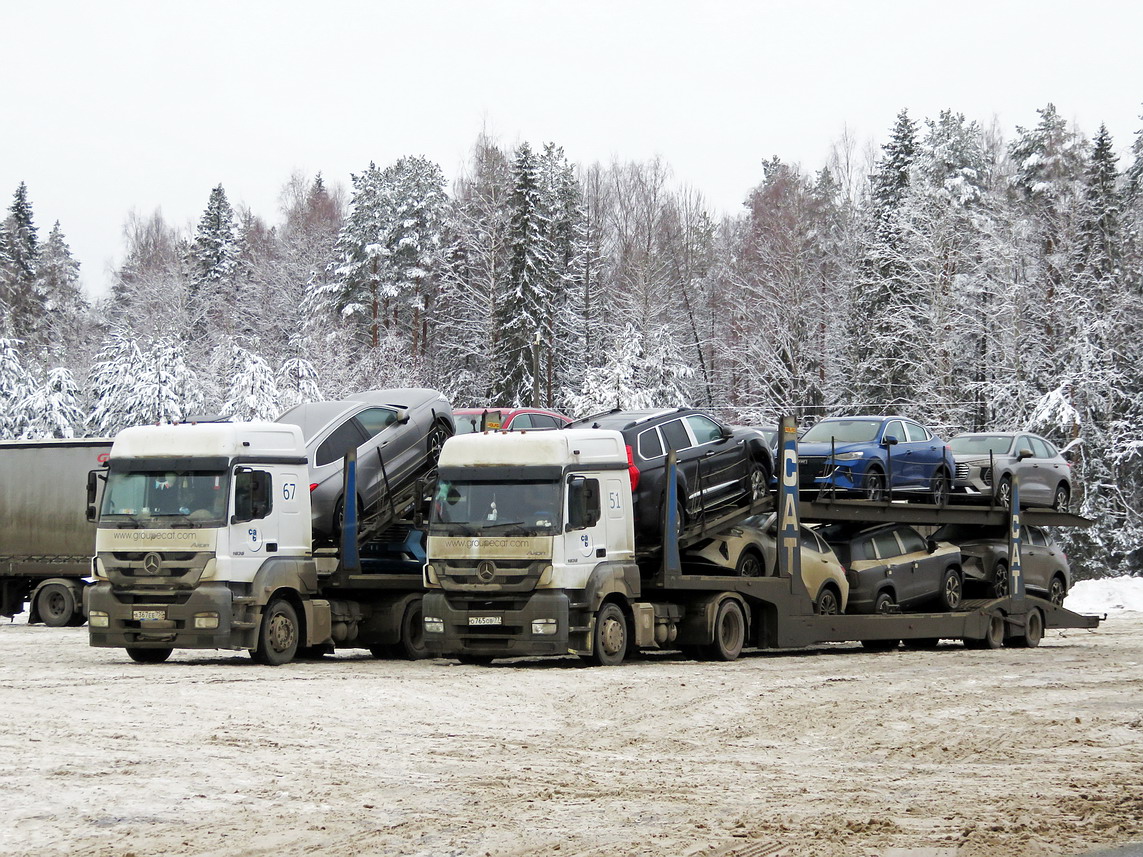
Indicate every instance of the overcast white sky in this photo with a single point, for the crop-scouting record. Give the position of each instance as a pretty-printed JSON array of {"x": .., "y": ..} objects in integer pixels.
[{"x": 113, "y": 106}]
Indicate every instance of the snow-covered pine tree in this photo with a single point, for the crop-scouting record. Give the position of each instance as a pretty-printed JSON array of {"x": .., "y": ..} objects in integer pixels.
[
  {"x": 52, "y": 408},
  {"x": 523, "y": 312},
  {"x": 297, "y": 382},
  {"x": 18, "y": 292},
  {"x": 58, "y": 284},
  {"x": 15, "y": 385},
  {"x": 214, "y": 257},
  {"x": 253, "y": 392},
  {"x": 111, "y": 384},
  {"x": 881, "y": 333}
]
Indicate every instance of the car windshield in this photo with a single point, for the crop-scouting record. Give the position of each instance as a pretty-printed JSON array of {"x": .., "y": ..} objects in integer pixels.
[
  {"x": 500, "y": 508},
  {"x": 165, "y": 499},
  {"x": 843, "y": 431},
  {"x": 980, "y": 444}
]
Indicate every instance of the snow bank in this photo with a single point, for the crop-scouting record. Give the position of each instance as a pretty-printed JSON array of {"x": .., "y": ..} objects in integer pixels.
[{"x": 1110, "y": 595}]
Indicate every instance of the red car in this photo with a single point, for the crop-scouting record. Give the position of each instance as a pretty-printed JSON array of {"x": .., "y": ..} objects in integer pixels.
[{"x": 506, "y": 419}]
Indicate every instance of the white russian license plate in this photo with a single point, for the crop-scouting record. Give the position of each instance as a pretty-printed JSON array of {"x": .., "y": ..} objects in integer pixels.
[
  {"x": 144, "y": 615},
  {"x": 485, "y": 620}
]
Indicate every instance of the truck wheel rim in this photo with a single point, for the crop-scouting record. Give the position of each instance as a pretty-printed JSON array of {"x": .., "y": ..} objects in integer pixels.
[
  {"x": 282, "y": 634},
  {"x": 612, "y": 636}
]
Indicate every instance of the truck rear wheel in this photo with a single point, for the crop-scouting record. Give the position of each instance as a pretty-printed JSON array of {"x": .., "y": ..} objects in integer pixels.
[
  {"x": 55, "y": 602},
  {"x": 148, "y": 656},
  {"x": 280, "y": 634},
  {"x": 729, "y": 632},
  {"x": 412, "y": 643},
  {"x": 609, "y": 639}
]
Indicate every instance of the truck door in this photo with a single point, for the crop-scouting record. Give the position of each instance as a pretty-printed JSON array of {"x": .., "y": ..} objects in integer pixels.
[
  {"x": 253, "y": 529},
  {"x": 586, "y": 531}
]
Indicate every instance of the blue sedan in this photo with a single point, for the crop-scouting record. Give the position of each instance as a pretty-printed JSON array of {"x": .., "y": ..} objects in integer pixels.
[{"x": 875, "y": 457}]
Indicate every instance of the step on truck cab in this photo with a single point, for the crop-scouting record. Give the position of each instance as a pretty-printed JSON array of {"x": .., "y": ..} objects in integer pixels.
[{"x": 204, "y": 542}]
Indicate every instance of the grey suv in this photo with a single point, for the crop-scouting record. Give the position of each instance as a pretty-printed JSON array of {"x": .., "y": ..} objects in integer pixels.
[
  {"x": 398, "y": 435},
  {"x": 986, "y": 464}
]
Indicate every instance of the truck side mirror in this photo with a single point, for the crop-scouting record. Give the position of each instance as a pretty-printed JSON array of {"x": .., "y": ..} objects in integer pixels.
[{"x": 92, "y": 485}]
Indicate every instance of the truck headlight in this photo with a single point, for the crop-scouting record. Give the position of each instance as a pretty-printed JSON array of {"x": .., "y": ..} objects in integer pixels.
[
  {"x": 433, "y": 625},
  {"x": 206, "y": 621},
  {"x": 98, "y": 619},
  {"x": 544, "y": 627}
]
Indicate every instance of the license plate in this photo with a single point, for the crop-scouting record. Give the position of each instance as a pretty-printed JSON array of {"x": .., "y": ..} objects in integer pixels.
[
  {"x": 485, "y": 620},
  {"x": 144, "y": 615}
]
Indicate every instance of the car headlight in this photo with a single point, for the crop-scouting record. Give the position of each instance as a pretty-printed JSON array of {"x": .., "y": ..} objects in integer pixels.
[{"x": 849, "y": 456}]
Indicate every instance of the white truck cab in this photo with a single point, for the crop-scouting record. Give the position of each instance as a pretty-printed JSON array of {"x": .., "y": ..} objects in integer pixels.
[
  {"x": 529, "y": 533},
  {"x": 204, "y": 542}
]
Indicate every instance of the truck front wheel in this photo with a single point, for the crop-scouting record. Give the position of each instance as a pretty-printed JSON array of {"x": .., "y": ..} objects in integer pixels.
[
  {"x": 280, "y": 633},
  {"x": 609, "y": 639}
]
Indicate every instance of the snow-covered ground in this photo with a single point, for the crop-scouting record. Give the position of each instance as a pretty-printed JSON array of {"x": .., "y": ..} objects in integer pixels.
[{"x": 1111, "y": 595}]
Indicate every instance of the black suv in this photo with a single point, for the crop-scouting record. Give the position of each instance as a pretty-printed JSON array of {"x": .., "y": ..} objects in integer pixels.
[{"x": 719, "y": 465}]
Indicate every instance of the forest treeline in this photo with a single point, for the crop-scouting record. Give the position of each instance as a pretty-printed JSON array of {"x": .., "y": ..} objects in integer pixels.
[{"x": 966, "y": 280}]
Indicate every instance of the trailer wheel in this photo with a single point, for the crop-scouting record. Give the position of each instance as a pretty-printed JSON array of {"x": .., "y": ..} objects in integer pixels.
[
  {"x": 1033, "y": 631},
  {"x": 996, "y": 627},
  {"x": 1000, "y": 580},
  {"x": 609, "y": 639},
  {"x": 1057, "y": 591},
  {"x": 279, "y": 636},
  {"x": 148, "y": 656},
  {"x": 56, "y": 605},
  {"x": 951, "y": 589},
  {"x": 729, "y": 632}
]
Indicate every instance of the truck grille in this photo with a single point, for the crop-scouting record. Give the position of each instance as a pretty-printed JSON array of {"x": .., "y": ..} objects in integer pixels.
[
  {"x": 501, "y": 575},
  {"x": 155, "y": 569}
]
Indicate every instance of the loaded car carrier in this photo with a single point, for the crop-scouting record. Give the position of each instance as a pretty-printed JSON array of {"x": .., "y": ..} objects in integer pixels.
[
  {"x": 204, "y": 542},
  {"x": 568, "y": 577},
  {"x": 45, "y": 540}
]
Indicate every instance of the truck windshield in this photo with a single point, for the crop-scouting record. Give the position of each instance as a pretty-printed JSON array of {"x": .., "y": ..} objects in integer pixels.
[
  {"x": 475, "y": 508},
  {"x": 163, "y": 499}
]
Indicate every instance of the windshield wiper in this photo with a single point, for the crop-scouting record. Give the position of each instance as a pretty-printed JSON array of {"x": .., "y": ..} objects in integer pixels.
[{"x": 497, "y": 526}]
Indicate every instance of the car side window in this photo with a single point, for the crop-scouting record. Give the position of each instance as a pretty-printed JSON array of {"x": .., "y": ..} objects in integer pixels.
[
  {"x": 376, "y": 420},
  {"x": 1036, "y": 537},
  {"x": 886, "y": 545},
  {"x": 543, "y": 421},
  {"x": 705, "y": 430},
  {"x": 864, "y": 549},
  {"x": 911, "y": 541},
  {"x": 916, "y": 432},
  {"x": 649, "y": 444},
  {"x": 895, "y": 429},
  {"x": 1040, "y": 449},
  {"x": 345, "y": 437},
  {"x": 675, "y": 434},
  {"x": 521, "y": 421},
  {"x": 809, "y": 541},
  {"x": 1024, "y": 442}
]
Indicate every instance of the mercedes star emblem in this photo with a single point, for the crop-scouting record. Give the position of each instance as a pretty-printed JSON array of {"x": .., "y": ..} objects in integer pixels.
[
  {"x": 486, "y": 571},
  {"x": 152, "y": 563}
]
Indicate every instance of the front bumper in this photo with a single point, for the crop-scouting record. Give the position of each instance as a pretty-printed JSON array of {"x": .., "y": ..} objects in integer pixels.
[
  {"x": 176, "y": 627},
  {"x": 504, "y": 627}
]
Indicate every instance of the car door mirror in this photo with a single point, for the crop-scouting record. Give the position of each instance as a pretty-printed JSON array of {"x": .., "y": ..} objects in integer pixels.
[
  {"x": 890, "y": 440},
  {"x": 725, "y": 432},
  {"x": 1023, "y": 453},
  {"x": 402, "y": 416},
  {"x": 1068, "y": 455},
  {"x": 931, "y": 545}
]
